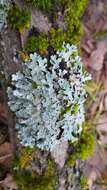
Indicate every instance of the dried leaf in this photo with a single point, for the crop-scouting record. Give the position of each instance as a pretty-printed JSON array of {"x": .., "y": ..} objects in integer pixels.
[{"x": 9, "y": 183}]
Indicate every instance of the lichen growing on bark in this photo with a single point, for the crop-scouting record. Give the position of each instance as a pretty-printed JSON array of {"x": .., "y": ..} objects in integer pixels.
[{"x": 48, "y": 98}]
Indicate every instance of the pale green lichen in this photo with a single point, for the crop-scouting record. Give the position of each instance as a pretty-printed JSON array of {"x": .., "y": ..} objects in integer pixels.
[
  {"x": 4, "y": 7},
  {"x": 48, "y": 98}
]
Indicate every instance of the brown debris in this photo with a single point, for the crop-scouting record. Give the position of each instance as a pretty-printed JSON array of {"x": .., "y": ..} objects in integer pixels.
[
  {"x": 6, "y": 155},
  {"x": 8, "y": 182}
]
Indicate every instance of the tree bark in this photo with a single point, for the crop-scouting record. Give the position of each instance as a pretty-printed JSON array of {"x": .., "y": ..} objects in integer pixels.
[{"x": 10, "y": 45}]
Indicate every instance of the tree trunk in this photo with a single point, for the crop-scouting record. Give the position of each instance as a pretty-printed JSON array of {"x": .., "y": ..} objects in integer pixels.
[{"x": 9, "y": 63}]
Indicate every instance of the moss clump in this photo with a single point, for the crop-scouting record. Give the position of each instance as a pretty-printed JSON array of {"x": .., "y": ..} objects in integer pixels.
[
  {"x": 41, "y": 4},
  {"x": 83, "y": 183},
  {"x": 18, "y": 18},
  {"x": 71, "y": 30},
  {"x": 71, "y": 33},
  {"x": 74, "y": 11},
  {"x": 57, "y": 37},
  {"x": 83, "y": 148},
  {"x": 37, "y": 43},
  {"x": 25, "y": 157},
  {"x": 75, "y": 109},
  {"x": 74, "y": 29},
  {"x": 79, "y": 7},
  {"x": 32, "y": 181}
]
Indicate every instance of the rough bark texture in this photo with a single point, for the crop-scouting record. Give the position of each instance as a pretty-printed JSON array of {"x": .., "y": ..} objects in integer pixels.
[{"x": 9, "y": 46}]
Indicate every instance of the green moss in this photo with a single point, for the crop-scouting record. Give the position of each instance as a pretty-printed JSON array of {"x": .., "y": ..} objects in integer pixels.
[
  {"x": 26, "y": 156},
  {"x": 75, "y": 109},
  {"x": 74, "y": 12},
  {"x": 68, "y": 109},
  {"x": 80, "y": 6},
  {"x": 83, "y": 183},
  {"x": 33, "y": 181},
  {"x": 34, "y": 85},
  {"x": 74, "y": 30},
  {"x": 86, "y": 146},
  {"x": 83, "y": 148},
  {"x": 35, "y": 43},
  {"x": 65, "y": 110},
  {"x": 18, "y": 18},
  {"x": 72, "y": 19},
  {"x": 71, "y": 33},
  {"x": 100, "y": 34},
  {"x": 57, "y": 37},
  {"x": 42, "y": 4}
]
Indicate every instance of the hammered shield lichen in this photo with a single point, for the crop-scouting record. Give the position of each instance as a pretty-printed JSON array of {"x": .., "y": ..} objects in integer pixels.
[{"x": 48, "y": 98}]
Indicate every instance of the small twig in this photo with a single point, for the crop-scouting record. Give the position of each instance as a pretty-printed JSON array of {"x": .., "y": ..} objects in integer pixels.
[
  {"x": 102, "y": 123},
  {"x": 1, "y": 181},
  {"x": 6, "y": 156}
]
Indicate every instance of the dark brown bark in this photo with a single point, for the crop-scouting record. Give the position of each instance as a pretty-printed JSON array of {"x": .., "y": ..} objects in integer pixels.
[{"x": 10, "y": 46}]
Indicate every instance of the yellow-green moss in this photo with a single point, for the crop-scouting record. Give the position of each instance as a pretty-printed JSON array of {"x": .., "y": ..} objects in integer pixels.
[
  {"x": 25, "y": 156},
  {"x": 42, "y": 4},
  {"x": 84, "y": 183},
  {"x": 35, "y": 43},
  {"x": 32, "y": 181},
  {"x": 18, "y": 18},
  {"x": 80, "y": 6},
  {"x": 57, "y": 37},
  {"x": 72, "y": 31},
  {"x": 83, "y": 148}
]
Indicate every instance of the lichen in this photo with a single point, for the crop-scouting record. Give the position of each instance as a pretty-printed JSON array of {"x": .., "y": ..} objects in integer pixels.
[
  {"x": 4, "y": 7},
  {"x": 48, "y": 98}
]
